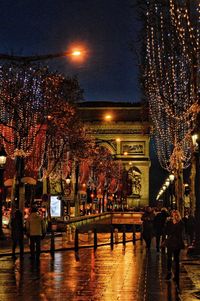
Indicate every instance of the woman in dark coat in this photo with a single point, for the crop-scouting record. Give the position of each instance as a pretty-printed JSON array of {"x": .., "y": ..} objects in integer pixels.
[
  {"x": 148, "y": 229},
  {"x": 17, "y": 233},
  {"x": 174, "y": 243}
]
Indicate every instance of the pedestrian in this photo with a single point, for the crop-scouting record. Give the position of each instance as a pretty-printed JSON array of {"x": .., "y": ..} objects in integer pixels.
[
  {"x": 174, "y": 243},
  {"x": 147, "y": 227},
  {"x": 189, "y": 222},
  {"x": 17, "y": 233},
  {"x": 159, "y": 226},
  {"x": 36, "y": 230}
]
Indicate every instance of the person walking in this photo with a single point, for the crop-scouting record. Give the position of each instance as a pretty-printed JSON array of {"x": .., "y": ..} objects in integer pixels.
[
  {"x": 147, "y": 227},
  {"x": 159, "y": 226},
  {"x": 17, "y": 233},
  {"x": 174, "y": 243},
  {"x": 35, "y": 229},
  {"x": 189, "y": 222}
]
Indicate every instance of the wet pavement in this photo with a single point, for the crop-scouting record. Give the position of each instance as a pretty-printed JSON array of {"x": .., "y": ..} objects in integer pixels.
[{"x": 127, "y": 273}]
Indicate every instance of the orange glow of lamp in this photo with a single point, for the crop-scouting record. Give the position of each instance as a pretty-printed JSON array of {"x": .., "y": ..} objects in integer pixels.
[
  {"x": 108, "y": 117},
  {"x": 77, "y": 53}
]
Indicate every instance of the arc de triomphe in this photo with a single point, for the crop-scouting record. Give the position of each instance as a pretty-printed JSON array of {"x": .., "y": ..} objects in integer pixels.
[{"x": 123, "y": 128}]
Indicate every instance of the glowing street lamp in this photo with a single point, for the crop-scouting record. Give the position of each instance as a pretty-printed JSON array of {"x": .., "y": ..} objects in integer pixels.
[
  {"x": 171, "y": 179},
  {"x": 167, "y": 183},
  {"x": 108, "y": 117},
  {"x": 68, "y": 180},
  {"x": 74, "y": 52}
]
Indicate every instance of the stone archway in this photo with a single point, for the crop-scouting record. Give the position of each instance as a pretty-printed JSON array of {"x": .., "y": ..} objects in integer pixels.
[{"x": 127, "y": 138}]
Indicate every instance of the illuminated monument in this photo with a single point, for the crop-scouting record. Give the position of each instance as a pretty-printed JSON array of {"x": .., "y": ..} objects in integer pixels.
[{"x": 124, "y": 129}]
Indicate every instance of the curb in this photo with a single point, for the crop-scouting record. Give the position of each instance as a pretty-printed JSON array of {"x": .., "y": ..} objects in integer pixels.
[{"x": 65, "y": 249}]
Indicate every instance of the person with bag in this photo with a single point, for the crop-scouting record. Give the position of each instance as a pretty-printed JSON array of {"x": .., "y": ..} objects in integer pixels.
[
  {"x": 174, "y": 243},
  {"x": 35, "y": 229}
]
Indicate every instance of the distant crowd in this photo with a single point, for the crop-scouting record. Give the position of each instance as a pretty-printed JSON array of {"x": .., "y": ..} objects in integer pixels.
[{"x": 171, "y": 232}]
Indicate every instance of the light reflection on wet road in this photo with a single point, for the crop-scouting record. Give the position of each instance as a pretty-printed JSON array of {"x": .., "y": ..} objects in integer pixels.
[{"x": 129, "y": 274}]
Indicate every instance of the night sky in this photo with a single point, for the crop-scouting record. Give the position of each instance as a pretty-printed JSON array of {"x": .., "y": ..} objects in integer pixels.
[{"x": 105, "y": 27}]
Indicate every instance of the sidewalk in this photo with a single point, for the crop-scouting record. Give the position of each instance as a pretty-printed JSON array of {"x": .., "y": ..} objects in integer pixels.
[
  {"x": 189, "y": 272},
  {"x": 124, "y": 273},
  {"x": 190, "y": 278}
]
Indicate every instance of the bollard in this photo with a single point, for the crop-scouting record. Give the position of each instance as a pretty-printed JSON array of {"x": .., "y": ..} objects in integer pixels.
[
  {"x": 64, "y": 237},
  {"x": 52, "y": 248},
  {"x": 73, "y": 231},
  {"x": 95, "y": 239},
  {"x": 124, "y": 235},
  {"x": 134, "y": 237},
  {"x": 76, "y": 247},
  {"x": 68, "y": 229},
  {"x": 141, "y": 233},
  {"x": 111, "y": 237},
  {"x": 89, "y": 235},
  {"x": 116, "y": 236}
]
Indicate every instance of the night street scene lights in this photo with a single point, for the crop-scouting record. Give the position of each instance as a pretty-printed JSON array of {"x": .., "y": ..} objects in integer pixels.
[
  {"x": 195, "y": 248},
  {"x": 171, "y": 179},
  {"x": 68, "y": 180},
  {"x": 3, "y": 157},
  {"x": 76, "y": 53}
]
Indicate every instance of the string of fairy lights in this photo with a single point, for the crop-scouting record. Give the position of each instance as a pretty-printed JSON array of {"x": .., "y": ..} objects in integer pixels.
[
  {"x": 35, "y": 115},
  {"x": 21, "y": 101},
  {"x": 171, "y": 79}
]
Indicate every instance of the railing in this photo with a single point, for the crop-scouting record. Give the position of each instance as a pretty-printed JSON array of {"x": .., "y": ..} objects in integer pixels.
[
  {"x": 73, "y": 235},
  {"x": 92, "y": 238},
  {"x": 119, "y": 218},
  {"x": 78, "y": 239}
]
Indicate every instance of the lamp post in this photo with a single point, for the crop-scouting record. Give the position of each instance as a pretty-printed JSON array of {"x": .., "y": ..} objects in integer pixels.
[
  {"x": 167, "y": 183},
  {"x": 171, "y": 179},
  {"x": 36, "y": 58},
  {"x": 68, "y": 192},
  {"x": 195, "y": 249},
  {"x": 76, "y": 188},
  {"x": 3, "y": 157}
]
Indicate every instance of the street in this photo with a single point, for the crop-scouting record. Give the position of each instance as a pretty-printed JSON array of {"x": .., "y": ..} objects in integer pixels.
[{"x": 125, "y": 273}]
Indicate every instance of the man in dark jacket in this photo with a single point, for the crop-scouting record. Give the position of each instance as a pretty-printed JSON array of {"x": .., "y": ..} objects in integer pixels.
[
  {"x": 159, "y": 226},
  {"x": 17, "y": 232},
  {"x": 147, "y": 232}
]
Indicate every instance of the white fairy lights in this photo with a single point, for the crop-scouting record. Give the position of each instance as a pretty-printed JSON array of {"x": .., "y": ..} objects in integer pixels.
[
  {"x": 22, "y": 107},
  {"x": 171, "y": 79}
]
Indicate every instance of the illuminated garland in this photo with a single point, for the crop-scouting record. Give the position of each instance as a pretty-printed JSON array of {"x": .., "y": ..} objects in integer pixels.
[
  {"x": 171, "y": 79},
  {"x": 22, "y": 107},
  {"x": 37, "y": 120}
]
